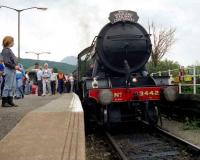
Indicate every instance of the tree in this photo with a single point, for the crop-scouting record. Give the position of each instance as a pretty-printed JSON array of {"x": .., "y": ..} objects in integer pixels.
[
  {"x": 162, "y": 41},
  {"x": 162, "y": 66},
  {"x": 55, "y": 70}
]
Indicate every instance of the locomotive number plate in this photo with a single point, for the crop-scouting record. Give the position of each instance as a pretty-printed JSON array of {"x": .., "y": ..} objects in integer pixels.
[
  {"x": 130, "y": 94},
  {"x": 149, "y": 93}
]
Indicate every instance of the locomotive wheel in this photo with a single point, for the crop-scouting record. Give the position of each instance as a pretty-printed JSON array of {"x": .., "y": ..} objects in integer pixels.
[
  {"x": 105, "y": 118},
  {"x": 152, "y": 115}
]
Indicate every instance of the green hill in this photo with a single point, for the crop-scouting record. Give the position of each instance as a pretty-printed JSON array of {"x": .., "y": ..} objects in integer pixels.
[{"x": 66, "y": 68}]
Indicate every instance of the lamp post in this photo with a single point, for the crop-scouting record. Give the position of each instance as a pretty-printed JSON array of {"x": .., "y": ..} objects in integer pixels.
[
  {"x": 38, "y": 53},
  {"x": 18, "y": 13}
]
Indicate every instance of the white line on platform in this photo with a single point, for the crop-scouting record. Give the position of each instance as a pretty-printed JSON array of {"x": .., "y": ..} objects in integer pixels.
[{"x": 75, "y": 104}]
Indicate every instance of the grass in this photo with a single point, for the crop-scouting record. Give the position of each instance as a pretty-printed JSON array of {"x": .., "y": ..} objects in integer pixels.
[
  {"x": 189, "y": 89},
  {"x": 191, "y": 124}
]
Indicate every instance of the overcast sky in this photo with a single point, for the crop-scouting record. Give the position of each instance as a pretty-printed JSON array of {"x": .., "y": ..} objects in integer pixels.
[{"x": 68, "y": 26}]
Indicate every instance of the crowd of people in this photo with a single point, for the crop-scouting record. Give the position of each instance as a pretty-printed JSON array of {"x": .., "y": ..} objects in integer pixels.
[
  {"x": 50, "y": 82},
  {"x": 16, "y": 82}
]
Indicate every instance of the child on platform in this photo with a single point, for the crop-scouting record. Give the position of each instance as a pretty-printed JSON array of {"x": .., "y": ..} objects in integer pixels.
[{"x": 20, "y": 74}]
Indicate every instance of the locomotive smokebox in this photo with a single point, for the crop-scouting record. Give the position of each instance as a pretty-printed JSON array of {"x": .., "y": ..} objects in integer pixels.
[{"x": 122, "y": 40}]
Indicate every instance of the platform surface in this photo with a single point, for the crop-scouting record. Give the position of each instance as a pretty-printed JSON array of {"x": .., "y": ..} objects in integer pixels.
[{"x": 54, "y": 131}]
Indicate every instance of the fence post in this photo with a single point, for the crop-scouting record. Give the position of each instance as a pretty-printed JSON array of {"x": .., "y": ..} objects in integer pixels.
[
  {"x": 159, "y": 73},
  {"x": 169, "y": 73},
  {"x": 179, "y": 88},
  {"x": 194, "y": 80},
  {"x": 170, "y": 77}
]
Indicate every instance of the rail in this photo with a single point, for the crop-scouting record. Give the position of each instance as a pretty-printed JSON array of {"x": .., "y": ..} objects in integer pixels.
[
  {"x": 186, "y": 143},
  {"x": 180, "y": 140},
  {"x": 145, "y": 144},
  {"x": 116, "y": 147}
]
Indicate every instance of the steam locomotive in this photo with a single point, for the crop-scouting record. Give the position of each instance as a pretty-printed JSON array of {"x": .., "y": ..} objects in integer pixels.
[{"x": 113, "y": 83}]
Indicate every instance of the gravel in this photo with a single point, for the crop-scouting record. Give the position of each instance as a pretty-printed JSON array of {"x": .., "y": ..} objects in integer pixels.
[
  {"x": 98, "y": 147},
  {"x": 10, "y": 116}
]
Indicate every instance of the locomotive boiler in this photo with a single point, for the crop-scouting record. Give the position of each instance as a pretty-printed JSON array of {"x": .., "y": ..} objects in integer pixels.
[{"x": 113, "y": 83}]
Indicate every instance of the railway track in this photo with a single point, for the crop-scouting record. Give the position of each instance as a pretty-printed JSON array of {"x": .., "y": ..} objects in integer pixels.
[{"x": 152, "y": 144}]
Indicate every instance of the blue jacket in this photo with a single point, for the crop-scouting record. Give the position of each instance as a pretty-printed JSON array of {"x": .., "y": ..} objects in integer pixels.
[
  {"x": 20, "y": 74},
  {"x": 1, "y": 67}
]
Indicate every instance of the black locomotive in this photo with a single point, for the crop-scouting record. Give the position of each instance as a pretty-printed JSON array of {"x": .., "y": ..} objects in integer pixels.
[{"x": 113, "y": 83}]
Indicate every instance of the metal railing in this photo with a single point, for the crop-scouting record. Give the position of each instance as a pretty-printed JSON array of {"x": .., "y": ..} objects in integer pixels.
[
  {"x": 181, "y": 83},
  {"x": 169, "y": 72}
]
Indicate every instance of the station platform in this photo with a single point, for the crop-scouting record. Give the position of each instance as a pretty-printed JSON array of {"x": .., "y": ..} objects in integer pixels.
[{"x": 54, "y": 131}]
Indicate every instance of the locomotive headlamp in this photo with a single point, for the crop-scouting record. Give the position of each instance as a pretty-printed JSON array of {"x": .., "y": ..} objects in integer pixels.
[
  {"x": 105, "y": 96},
  {"x": 94, "y": 83},
  {"x": 134, "y": 79}
]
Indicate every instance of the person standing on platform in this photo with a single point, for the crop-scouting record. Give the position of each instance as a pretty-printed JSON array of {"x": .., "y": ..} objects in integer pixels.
[
  {"x": 39, "y": 81},
  {"x": 38, "y": 71},
  {"x": 53, "y": 79},
  {"x": 61, "y": 78},
  {"x": 27, "y": 89},
  {"x": 11, "y": 66},
  {"x": 67, "y": 84},
  {"x": 46, "y": 74},
  {"x": 19, "y": 82}
]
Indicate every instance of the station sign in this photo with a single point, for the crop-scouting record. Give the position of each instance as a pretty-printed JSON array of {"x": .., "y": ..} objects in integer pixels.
[{"x": 123, "y": 15}]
